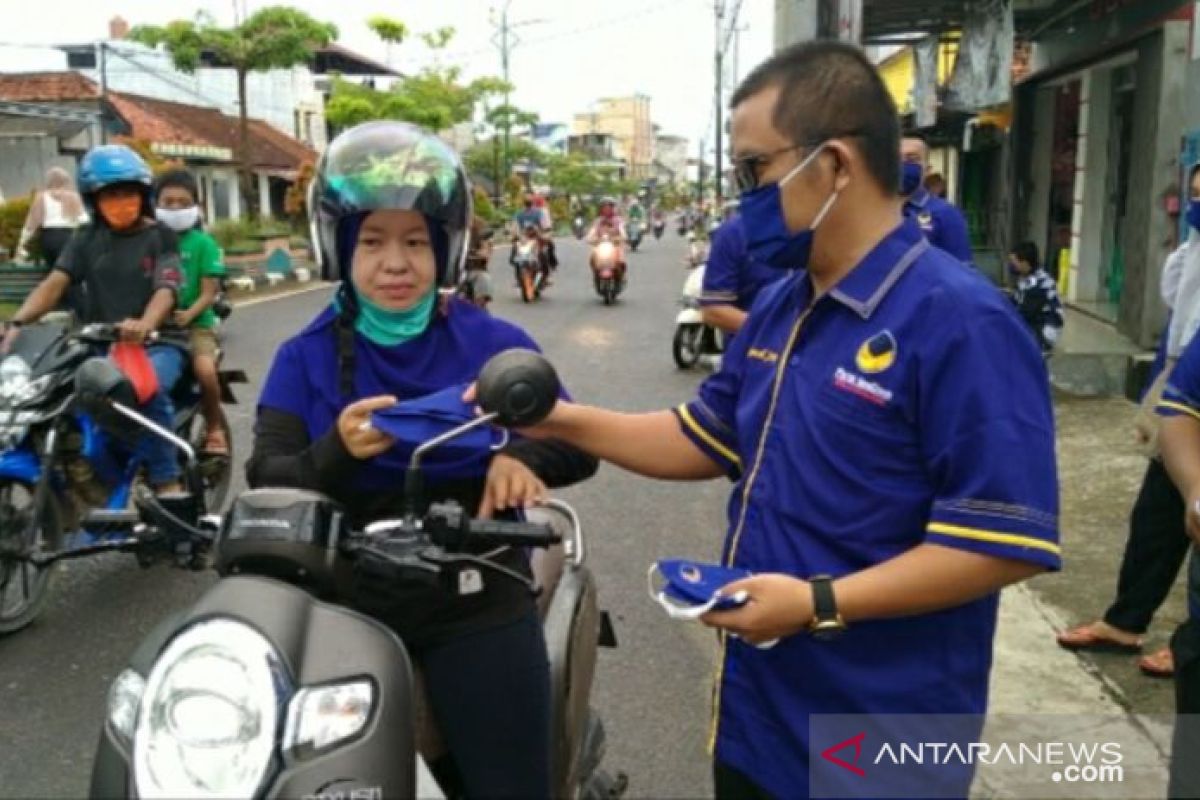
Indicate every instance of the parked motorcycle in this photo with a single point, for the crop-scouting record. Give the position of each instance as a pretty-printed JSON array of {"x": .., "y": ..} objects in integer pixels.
[
  {"x": 608, "y": 268},
  {"x": 65, "y": 483},
  {"x": 270, "y": 686},
  {"x": 635, "y": 231},
  {"x": 693, "y": 337},
  {"x": 529, "y": 264}
]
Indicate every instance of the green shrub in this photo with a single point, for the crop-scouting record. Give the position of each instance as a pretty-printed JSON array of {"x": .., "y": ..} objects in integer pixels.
[
  {"x": 227, "y": 232},
  {"x": 12, "y": 220}
]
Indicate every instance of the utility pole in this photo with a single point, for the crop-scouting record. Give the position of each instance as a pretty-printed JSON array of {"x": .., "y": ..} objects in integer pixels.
[
  {"x": 103, "y": 50},
  {"x": 506, "y": 40},
  {"x": 722, "y": 39},
  {"x": 700, "y": 174}
]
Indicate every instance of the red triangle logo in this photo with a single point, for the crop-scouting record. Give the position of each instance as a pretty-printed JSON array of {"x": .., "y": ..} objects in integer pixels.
[{"x": 856, "y": 743}]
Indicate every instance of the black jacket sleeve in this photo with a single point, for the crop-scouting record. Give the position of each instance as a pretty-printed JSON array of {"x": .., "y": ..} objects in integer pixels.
[
  {"x": 285, "y": 456},
  {"x": 557, "y": 463}
]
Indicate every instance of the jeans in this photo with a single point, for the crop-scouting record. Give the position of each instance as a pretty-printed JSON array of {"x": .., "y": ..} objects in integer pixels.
[
  {"x": 162, "y": 464},
  {"x": 1154, "y": 552}
]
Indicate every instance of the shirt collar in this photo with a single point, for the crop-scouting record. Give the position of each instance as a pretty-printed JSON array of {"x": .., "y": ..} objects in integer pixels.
[
  {"x": 865, "y": 286},
  {"x": 919, "y": 198}
]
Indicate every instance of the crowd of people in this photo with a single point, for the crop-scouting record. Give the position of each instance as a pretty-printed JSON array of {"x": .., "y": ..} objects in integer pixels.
[{"x": 867, "y": 366}]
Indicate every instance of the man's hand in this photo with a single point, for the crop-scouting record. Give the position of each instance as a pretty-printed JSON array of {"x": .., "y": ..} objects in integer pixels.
[
  {"x": 11, "y": 332},
  {"x": 1192, "y": 515},
  {"x": 776, "y": 606},
  {"x": 354, "y": 427},
  {"x": 134, "y": 330},
  {"x": 183, "y": 319},
  {"x": 510, "y": 484}
]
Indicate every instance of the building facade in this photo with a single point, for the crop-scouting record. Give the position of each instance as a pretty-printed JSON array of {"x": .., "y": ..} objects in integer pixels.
[
  {"x": 627, "y": 121},
  {"x": 672, "y": 156}
]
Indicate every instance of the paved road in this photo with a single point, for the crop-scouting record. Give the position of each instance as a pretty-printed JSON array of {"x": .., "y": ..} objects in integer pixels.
[{"x": 653, "y": 690}]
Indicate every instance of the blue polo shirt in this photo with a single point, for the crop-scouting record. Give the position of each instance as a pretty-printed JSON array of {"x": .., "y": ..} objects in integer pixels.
[
  {"x": 1181, "y": 397},
  {"x": 731, "y": 276},
  {"x": 942, "y": 223},
  {"x": 906, "y": 406}
]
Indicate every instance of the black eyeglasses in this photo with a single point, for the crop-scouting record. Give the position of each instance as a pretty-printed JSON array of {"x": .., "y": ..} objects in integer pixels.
[{"x": 747, "y": 168}]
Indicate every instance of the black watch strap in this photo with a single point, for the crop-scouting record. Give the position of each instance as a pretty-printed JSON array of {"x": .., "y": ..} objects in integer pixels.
[{"x": 826, "y": 620}]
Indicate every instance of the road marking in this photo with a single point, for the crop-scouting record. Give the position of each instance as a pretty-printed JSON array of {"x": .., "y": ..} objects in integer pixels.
[{"x": 282, "y": 295}]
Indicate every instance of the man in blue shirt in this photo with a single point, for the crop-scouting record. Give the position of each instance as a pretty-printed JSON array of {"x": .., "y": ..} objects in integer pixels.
[
  {"x": 1180, "y": 439},
  {"x": 732, "y": 280},
  {"x": 887, "y": 422},
  {"x": 941, "y": 222}
]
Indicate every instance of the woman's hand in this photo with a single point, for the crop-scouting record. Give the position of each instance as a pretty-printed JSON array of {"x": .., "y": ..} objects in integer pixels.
[
  {"x": 510, "y": 484},
  {"x": 354, "y": 427}
]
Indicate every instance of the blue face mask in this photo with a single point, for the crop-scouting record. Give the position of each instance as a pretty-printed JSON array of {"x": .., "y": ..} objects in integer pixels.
[
  {"x": 910, "y": 177},
  {"x": 1193, "y": 214},
  {"x": 768, "y": 239}
]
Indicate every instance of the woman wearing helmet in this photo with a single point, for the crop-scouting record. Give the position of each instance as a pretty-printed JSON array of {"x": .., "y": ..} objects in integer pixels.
[
  {"x": 390, "y": 211},
  {"x": 128, "y": 266}
]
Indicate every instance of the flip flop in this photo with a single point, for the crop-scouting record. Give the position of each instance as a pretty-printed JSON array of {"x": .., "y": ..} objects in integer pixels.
[
  {"x": 1082, "y": 639},
  {"x": 222, "y": 450},
  {"x": 1159, "y": 664}
]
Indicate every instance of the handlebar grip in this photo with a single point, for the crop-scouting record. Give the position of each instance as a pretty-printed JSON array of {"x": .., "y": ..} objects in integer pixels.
[{"x": 516, "y": 534}]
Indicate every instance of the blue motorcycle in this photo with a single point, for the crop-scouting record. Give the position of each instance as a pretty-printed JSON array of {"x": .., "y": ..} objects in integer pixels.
[{"x": 67, "y": 480}]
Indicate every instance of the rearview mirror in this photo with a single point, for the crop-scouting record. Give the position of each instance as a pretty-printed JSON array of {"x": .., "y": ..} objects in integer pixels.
[{"x": 519, "y": 386}]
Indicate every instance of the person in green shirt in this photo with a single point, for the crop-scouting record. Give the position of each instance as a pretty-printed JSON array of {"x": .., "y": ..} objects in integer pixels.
[{"x": 176, "y": 196}]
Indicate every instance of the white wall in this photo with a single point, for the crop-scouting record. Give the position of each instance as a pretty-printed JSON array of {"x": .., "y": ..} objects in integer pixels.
[
  {"x": 32, "y": 59},
  {"x": 24, "y": 161}
]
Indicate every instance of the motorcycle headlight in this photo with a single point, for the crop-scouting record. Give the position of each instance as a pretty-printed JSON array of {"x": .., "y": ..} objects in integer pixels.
[
  {"x": 124, "y": 699},
  {"x": 14, "y": 376},
  {"x": 323, "y": 716},
  {"x": 31, "y": 389},
  {"x": 210, "y": 714}
]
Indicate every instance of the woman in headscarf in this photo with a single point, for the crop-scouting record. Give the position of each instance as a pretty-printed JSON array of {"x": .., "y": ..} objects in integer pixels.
[
  {"x": 53, "y": 216},
  {"x": 390, "y": 211}
]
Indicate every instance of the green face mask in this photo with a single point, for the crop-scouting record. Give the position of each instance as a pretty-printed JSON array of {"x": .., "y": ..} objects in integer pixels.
[{"x": 390, "y": 328}]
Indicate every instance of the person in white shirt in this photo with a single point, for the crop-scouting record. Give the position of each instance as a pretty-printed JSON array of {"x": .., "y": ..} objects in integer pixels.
[{"x": 53, "y": 216}]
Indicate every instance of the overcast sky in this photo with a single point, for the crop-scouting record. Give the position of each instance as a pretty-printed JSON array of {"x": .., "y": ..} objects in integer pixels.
[{"x": 571, "y": 51}]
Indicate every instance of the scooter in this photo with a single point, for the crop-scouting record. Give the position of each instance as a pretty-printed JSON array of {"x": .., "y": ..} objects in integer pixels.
[
  {"x": 270, "y": 686},
  {"x": 694, "y": 338},
  {"x": 579, "y": 227},
  {"x": 529, "y": 264},
  {"x": 66, "y": 481},
  {"x": 635, "y": 231},
  {"x": 608, "y": 270},
  {"x": 659, "y": 226}
]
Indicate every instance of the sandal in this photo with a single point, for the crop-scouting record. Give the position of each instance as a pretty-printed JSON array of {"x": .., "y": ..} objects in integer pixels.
[
  {"x": 215, "y": 442},
  {"x": 1085, "y": 638},
  {"x": 1159, "y": 664}
]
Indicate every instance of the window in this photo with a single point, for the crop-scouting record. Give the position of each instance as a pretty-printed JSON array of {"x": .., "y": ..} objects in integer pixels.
[{"x": 81, "y": 59}]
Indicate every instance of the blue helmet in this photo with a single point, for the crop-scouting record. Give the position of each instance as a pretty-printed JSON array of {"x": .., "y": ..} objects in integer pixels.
[{"x": 111, "y": 164}]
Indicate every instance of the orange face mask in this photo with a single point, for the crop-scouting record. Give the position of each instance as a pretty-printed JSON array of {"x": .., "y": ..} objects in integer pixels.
[{"x": 121, "y": 213}]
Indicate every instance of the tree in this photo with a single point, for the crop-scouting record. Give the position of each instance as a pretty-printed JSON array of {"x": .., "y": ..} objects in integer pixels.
[
  {"x": 275, "y": 37},
  {"x": 435, "y": 98},
  {"x": 391, "y": 31}
]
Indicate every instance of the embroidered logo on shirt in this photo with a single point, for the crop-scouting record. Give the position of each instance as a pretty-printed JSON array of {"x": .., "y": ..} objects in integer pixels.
[
  {"x": 861, "y": 387},
  {"x": 876, "y": 354},
  {"x": 760, "y": 354},
  {"x": 925, "y": 220}
]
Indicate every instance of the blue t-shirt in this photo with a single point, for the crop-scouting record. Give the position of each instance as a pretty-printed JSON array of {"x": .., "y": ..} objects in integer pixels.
[
  {"x": 942, "y": 223},
  {"x": 908, "y": 405},
  {"x": 1181, "y": 397},
  {"x": 304, "y": 379},
  {"x": 731, "y": 276}
]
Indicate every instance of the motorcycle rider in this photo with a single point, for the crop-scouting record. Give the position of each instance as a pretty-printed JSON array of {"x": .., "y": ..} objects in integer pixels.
[
  {"x": 611, "y": 224},
  {"x": 129, "y": 266},
  {"x": 532, "y": 219},
  {"x": 391, "y": 220}
]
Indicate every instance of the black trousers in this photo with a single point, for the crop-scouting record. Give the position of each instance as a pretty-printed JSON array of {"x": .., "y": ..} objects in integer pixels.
[
  {"x": 1185, "y": 646},
  {"x": 490, "y": 695},
  {"x": 730, "y": 784},
  {"x": 1155, "y": 551}
]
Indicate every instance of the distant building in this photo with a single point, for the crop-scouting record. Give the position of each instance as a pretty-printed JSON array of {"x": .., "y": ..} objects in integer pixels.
[
  {"x": 671, "y": 158},
  {"x": 553, "y": 137},
  {"x": 627, "y": 121}
]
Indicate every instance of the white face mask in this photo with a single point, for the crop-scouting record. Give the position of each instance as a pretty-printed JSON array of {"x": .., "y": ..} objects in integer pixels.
[{"x": 178, "y": 219}]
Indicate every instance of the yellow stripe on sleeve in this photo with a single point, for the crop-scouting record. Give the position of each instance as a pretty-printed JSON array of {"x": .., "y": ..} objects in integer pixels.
[
  {"x": 1173, "y": 406},
  {"x": 708, "y": 438},
  {"x": 993, "y": 536}
]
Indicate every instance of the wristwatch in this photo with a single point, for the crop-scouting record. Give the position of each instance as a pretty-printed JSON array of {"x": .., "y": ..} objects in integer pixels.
[{"x": 826, "y": 622}]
